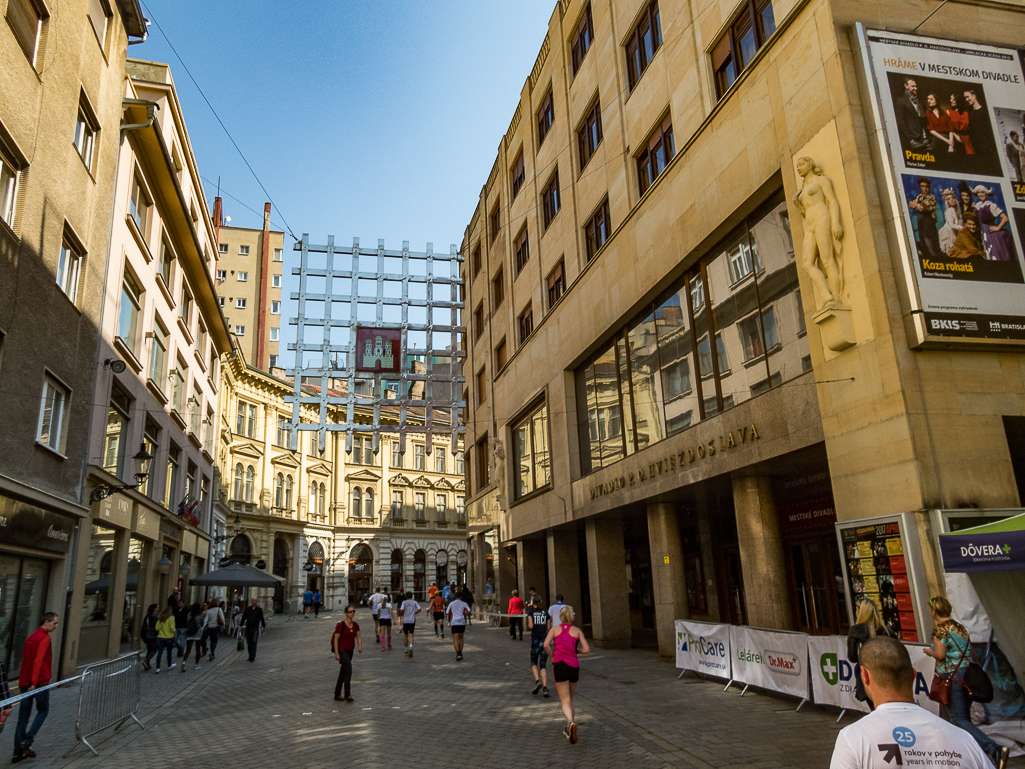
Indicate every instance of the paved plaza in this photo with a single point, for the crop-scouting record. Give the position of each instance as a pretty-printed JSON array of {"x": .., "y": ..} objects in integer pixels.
[{"x": 431, "y": 711}]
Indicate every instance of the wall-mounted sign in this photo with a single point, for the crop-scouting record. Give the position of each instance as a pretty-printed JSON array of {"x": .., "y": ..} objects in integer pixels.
[
  {"x": 307, "y": 567},
  {"x": 30, "y": 526},
  {"x": 378, "y": 349}
]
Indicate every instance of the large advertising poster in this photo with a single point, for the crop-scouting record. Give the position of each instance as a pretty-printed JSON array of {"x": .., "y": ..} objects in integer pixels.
[
  {"x": 770, "y": 659},
  {"x": 954, "y": 115},
  {"x": 703, "y": 647}
]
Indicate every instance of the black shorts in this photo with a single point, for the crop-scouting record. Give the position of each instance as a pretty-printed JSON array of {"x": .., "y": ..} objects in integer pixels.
[
  {"x": 564, "y": 672},
  {"x": 457, "y": 629},
  {"x": 538, "y": 655},
  {"x": 408, "y": 627},
  {"x": 374, "y": 616},
  {"x": 384, "y": 622},
  {"x": 439, "y": 616}
]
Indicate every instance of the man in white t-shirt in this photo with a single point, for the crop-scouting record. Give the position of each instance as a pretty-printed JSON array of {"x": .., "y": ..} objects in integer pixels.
[
  {"x": 375, "y": 608},
  {"x": 899, "y": 732},
  {"x": 458, "y": 611},
  {"x": 555, "y": 608},
  {"x": 409, "y": 609}
]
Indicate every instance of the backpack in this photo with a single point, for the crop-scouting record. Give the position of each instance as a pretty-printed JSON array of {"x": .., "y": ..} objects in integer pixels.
[{"x": 192, "y": 628}]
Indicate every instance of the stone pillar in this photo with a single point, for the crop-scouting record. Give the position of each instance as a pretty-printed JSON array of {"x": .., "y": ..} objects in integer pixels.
[
  {"x": 116, "y": 591},
  {"x": 530, "y": 561},
  {"x": 606, "y": 568},
  {"x": 761, "y": 554},
  {"x": 564, "y": 567},
  {"x": 667, "y": 575},
  {"x": 479, "y": 564}
]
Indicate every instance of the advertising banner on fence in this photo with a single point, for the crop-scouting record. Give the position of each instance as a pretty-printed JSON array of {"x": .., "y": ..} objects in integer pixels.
[
  {"x": 770, "y": 659},
  {"x": 703, "y": 647},
  {"x": 954, "y": 115}
]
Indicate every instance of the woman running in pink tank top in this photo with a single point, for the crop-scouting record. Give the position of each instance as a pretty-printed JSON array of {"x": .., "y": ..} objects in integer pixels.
[{"x": 566, "y": 666}]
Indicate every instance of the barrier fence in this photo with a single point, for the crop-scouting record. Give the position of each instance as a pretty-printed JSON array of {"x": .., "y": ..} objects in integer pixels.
[
  {"x": 110, "y": 695},
  {"x": 811, "y": 668}
]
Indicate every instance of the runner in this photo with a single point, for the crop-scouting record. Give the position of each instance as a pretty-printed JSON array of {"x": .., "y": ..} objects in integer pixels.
[
  {"x": 457, "y": 613},
  {"x": 375, "y": 606},
  {"x": 409, "y": 610},
  {"x": 384, "y": 619},
  {"x": 539, "y": 623},
  {"x": 555, "y": 608},
  {"x": 566, "y": 666},
  {"x": 433, "y": 589},
  {"x": 438, "y": 612}
]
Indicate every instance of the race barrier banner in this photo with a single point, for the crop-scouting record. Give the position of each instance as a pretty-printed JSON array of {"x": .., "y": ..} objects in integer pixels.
[
  {"x": 770, "y": 659},
  {"x": 703, "y": 647}
]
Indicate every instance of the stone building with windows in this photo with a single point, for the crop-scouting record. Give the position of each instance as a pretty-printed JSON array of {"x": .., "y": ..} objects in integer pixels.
[
  {"x": 694, "y": 358},
  {"x": 342, "y": 523}
]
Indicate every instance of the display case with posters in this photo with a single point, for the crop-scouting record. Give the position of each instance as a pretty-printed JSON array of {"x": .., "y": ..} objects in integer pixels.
[
  {"x": 882, "y": 561},
  {"x": 949, "y": 121}
]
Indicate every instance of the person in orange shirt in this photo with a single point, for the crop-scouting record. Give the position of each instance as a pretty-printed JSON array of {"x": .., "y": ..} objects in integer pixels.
[
  {"x": 36, "y": 671},
  {"x": 438, "y": 612},
  {"x": 433, "y": 589}
]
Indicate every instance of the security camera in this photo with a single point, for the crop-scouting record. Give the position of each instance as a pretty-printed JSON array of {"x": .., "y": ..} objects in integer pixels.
[{"x": 115, "y": 365}]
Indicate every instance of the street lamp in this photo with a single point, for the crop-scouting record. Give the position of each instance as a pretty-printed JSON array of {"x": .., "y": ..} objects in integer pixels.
[
  {"x": 164, "y": 565},
  {"x": 183, "y": 570},
  {"x": 142, "y": 460}
]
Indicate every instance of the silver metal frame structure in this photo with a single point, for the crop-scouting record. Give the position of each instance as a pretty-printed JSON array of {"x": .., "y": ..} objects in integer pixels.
[{"x": 338, "y": 360}]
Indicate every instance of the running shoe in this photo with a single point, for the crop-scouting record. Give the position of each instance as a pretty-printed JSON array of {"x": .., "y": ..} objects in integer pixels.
[
  {"x": 537, "y": 687},
  {"x": 573, "y": 734},
  {"x": 545, "y": 691},
  {"x": 410, "y": 652},
  {"x": 459, "y": 657}
]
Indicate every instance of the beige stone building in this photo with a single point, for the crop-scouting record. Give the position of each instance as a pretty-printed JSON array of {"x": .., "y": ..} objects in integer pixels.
[
  {"x": 673, "y": 412},
  {"x": 61, "y": 86},
  {"x": 339, "y": 523}
]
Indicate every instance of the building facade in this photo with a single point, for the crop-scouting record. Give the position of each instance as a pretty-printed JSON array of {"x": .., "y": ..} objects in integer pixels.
[
  {"x": 61, "y": 86},
  {"x": 691, "y": 363}
]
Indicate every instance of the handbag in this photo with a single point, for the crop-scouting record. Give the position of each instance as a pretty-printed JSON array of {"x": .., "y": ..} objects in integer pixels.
[
  {"x": 977, "y": 683},
  {"x": 939, "y": 690}
]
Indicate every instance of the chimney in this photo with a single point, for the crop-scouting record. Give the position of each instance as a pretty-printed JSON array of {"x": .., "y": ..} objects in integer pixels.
[{"x": 218, "y": 217}]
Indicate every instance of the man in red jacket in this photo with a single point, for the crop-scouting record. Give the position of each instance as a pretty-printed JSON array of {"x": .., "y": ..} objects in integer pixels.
[{"x": 36, "y": 670}]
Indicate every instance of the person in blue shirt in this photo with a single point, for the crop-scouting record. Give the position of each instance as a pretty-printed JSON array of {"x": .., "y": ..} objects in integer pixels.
[
  {"x": 307, "y": 603},
  {"x": 317, "y": 600}
]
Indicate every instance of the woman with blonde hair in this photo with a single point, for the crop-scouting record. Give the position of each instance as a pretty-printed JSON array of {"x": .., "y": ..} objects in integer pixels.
[
  {"x": 565, "y": 637},
  {"x": 867, "y": 624}
]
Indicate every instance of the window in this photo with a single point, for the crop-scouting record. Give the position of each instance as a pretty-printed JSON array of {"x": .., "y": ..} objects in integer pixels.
[
  {"x": 741, "y": 42},
  {"x": 545, "y": 118},
  {"x": 522, "y": 250},
  {"x": 659, "y": 151},
  {"x": 275, "y": 334},
  {"x": 26, "y": 22},
  {"x": 158, "y": 356},
  {"x": 275, "y": 308},
  {"x": 8, "y": 189},
  {"x": 279, "y": 255},
  {"x": 240, "y": 304},
  {"x": 273, "y": 360},
  {"x": 440, "y": 505},
  {"x": 526, "y": 324},
  {"x": 419, "y": 457},
  {"x": 116, "y": 438},
  {"x": 279, "y": 490},
  {"x": 396, "y": 457},
  {"x": 497, "y": 289},
  {"x": 236, "y": 492},
  {"x": 530, "y": 452},
  {"x": 250, "y": 482},
  {"x": 556, "y": 284},
  {"x": 518, "y": 175},
  {"x": 363, "y": 450},
  {"x": 243, "y": 250},
  {"x": 439, "y": 460},
  {"x": 550, "y": 203},
  {"x": 139, "y": 206},
  {"x": 240, "y": 330},
  {"x": 751, "y": 337},
  {"x": 275, "y": 281},
  {"x": 53, "y": 414},
  {"x": 98, "y": 15},
  {"x": 185, "y": 307},
  {"x": 597, "y": 230},
  {"x": 283, "y": 431},
  {"x": 495, "y": 222},
  {"x": 222, "y": 248},
  {"x": 642, "y": 43},
  {"x": 245, "y": 419},
  {"x": 419, "y": 502},
  {"x": 460, "y": 464},
  {"x": 85, "y": 135},
  {"x": 150, "y": 439},
  {"x": 171, "y": 477},
  {"x": 396, "y": 504},
  {"x": 178, "y": 388},
  {"x": 743, "y": 261},
  {"x": 195, "y": 409},
  {"x": 501, "y": 357},
  {"x": 460, "y": 509},
  {"x": 589, "y": 135},
  {"x": 476, "y": 260},
  {"x": 68, "y": 266},
  {"x": 480, "y": 458},
  {"x": 582, "y": 39},
  {"x": 222, "y": 275},
  {"x": 220, "y": 301},
  {"x": 368, "y": 502},
  {"x": 288, "y": 492},
  {"x": 242, "y": 277},
  {"x": 482, "y": 387},
  {"x": 165, "y": 263},
  {"x": 478, "y": 321}
]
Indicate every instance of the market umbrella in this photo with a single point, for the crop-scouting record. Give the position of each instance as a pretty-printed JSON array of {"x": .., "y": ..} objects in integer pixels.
[
  {"x": 238, "y": 575},
  {"x": 102, "y": 585}
]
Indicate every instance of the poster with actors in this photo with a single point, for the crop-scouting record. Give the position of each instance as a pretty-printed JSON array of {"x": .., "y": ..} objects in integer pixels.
[{"x": 952, "y": 118}]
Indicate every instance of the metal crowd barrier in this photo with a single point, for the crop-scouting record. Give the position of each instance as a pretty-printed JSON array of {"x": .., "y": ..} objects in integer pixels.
[{"x": 110, "y": 695}]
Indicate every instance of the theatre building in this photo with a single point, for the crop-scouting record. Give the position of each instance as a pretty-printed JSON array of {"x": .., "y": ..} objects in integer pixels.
[{"x": 724, "y": 360}]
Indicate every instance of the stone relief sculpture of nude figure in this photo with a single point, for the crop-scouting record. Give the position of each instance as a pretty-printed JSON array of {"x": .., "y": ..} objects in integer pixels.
[{"x": 823, "y": 232}]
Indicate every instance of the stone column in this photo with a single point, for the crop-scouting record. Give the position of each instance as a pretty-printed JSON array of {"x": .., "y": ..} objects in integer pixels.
[
  {"x": 564, "y": 567},
  {"x": 667, "y": 575},
  {"x": 116, "y": 590},
  {"x": 761, "y": 554},
  {"x": 530, "y": 562},
  {"x": 606, "y": 568}
]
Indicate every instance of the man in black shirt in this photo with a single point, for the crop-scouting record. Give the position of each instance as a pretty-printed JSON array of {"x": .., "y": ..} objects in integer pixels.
[
  {"x": 255, "y": 624},
  {"x": 539, "y": 624}
]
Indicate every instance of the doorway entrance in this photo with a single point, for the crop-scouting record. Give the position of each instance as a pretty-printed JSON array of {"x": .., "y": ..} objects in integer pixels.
[
  {"x": 816, "y": 585},
  {"x": 641, "y": 590},
  {"x": 280, "y": 569},
  {"x": 420, "y": 575},
  {"x": 361, "y": 574},
  {"x": 397, "y": 556}
]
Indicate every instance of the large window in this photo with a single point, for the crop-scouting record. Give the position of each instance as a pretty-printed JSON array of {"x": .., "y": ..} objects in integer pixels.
[
  {"x": 522, "y": 250},
  {"x": 545, "y": 118},
  {"x": 171, "y": 477},
  {"x": 530, "y": 452},
  {"x": 116, "y": 438},
  {"x": 99, "y": 17},
  {"x": 550, "y": 201},
  {"x": 597, "y": 230},
  {"x": 582, "y": 39},
  {"x": 644, "y": 40},
  {"x": 165, "y": 263},
  {"x": 589, "y": 134},
  {"x": 480, "y": 459},
  {"x": 363, "y": 450},
  {"x": 68, "y": 266},
  {"x": 26, "y": 22},
  {"x": 158, "y": 356},
  {"x": 439, "y": 460},
  {"x": 282, "y": 434},
  {"x": 53, "y": 414},
  {"x": 708, "y": 344},
  {"x": 440, "y": 507},
  {"x": 419, "y": 503},
  {"x": 396, "y": 504},
  {"x": 460, "y": 464},
  {"x": 85, "y": 135},
  {"x": 657, "y": 153},
  {"x": 245, "y": 419},
  {"x": 178, "y": 387},
  {"x": 139, "y": 206},
  {"x": 396, "y": 457},
  {"x": 741, "y": 42},
  {"x": 419, "y": 457}
]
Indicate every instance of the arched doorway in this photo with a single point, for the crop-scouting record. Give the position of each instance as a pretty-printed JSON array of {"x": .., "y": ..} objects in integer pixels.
[
  {"x": 280, "y": 569},
  {"x": 361, "y": 574},
  {"x": 315, "y": 576},
  {"x": 241, "y": 550},
  {"x": 461, "y": 568},
  {"x": 441, "y": 570},
  {"x": 397, "y": 557},
  {"x": 489, "y": 568},
  {"x": 420, "y": 575}
]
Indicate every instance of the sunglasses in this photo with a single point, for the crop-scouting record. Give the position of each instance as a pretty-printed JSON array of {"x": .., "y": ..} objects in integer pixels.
[{"x": 350, "y": 612}]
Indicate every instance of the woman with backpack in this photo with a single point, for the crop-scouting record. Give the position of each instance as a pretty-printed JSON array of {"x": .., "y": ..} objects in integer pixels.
[
  {"x": 149, "y": 634},
  {"x": 193, "y": 634},
  {"x": 868, "y": 624}
]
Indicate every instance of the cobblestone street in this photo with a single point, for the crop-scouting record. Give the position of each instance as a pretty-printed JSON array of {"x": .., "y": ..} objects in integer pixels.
[{"x": 279, "y": 711}]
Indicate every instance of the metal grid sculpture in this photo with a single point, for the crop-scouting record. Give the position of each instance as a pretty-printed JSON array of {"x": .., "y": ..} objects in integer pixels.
[{"x": 368, "y": 278}]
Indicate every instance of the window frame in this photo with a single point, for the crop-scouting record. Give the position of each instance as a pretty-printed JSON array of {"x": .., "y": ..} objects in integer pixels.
[
  {"x": 659, "y": 139},
  {"x": 521, "y": 249},
  {"x": 158, "y": 341},
  {"x": 518, "y": 175},
  {"x": 544, "y": 117},
  {"x": 140, "y": 204},
  {"x": 599, "y": 222},
  {"x": 69, "y": 266},
  {"x": 525, "y": 323},
  {"x": 650, "y": 19},
  {"x": 501, "y": 355},
  {"x": 494, "y": 223},
  {"x": 59, "y": 411},
  {"x": 87, "y": 130},
  {"x": 590, "y": 129},
  {"x": 41, "y": 16},
  {"x": 583, "y": 38},
  {"x": 556, "y": 283},
  {"x": 497, "y": 289},
  {"x": 528, "y": 418},
  {"x": 551, "y": 200},
  {"x": 726, "y": 51}
]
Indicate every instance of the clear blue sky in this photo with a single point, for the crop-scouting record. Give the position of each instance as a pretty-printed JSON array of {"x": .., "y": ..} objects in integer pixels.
[{"x": 369, "y": 119}]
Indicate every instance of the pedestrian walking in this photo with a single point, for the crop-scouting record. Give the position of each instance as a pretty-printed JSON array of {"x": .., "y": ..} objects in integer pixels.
[
  {"x": 467, "y": 597},
  {"x": 565, "y": 665},
  {"x": 868, "y": 624},
  {"x": 539, "y": 624},
  {"x": 5, "y": 694},
  {"x": 181, "y": 623},
  {"x": 952, "y": 650},
  {"x": 307, "y": 603},
  {"x": 438, "y": 613},
  {"x": 555, "y": 610},
  {"x": 255, "y": 624},
  {"x": 165, "y": 636},
  {"x": 317, "y": 598},
  {"x": 213, "y": 621},
  {"x": 36, "y": 671},
  {"x": 516, "y": 615},
  {"x": 384, "y": 620},
  {"x": 529, "y": 599},
  {"x": 148, "y": 634},
  {"x": 458, "y": 611},
  {"x": 409, "y": 609},
  {"x": 193, "y": 635},
  {"x": 204, "y": 607},
  {"x": 877, "y": 740},
  {"x": 432, "y": 590},
  {"x": 375, "y": 609},
  {"x": 345, "y": 640}
]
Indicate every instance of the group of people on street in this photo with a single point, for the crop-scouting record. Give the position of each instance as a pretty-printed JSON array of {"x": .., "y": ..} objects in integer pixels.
[
  {"x": 312, "y": 599},
  {"x": 182, "y": 627}
]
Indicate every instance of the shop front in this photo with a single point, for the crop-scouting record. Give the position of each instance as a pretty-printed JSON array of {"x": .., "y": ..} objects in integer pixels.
[{"x": 361, "y": 574}]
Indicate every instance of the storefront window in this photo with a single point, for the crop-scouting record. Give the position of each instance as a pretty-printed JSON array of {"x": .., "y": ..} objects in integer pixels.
[
  {"x": 99, "y": 576},
  {"x": 23, "y": 585},
  {"x": 132, "y": 619},
  {"x": 645, "y": 383}
]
